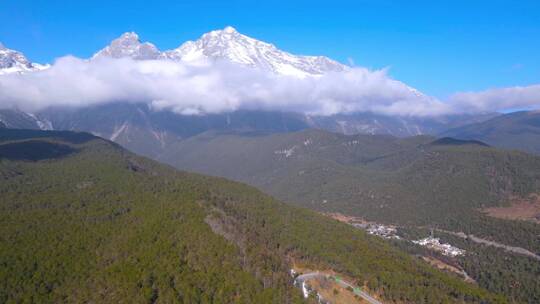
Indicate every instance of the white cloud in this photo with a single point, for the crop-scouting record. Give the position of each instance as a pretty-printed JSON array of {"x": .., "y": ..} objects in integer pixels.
[
  {"x": 500, "y": 99},
  {"x": 214, "y": 87},
  {"x": 210, "y": 87}
]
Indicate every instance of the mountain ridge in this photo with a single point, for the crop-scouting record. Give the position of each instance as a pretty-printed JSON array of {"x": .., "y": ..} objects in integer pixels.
[
  {"x": 231, "y": 45},
  {"x": 129, "y": 45},
  {"x": 225, "y": 44},
  {"x": 236, "y": 48},
  {"x": 14, "y": 62},
  {"x": 145, "y": 131},
  {"x": 517, "y": 130}
]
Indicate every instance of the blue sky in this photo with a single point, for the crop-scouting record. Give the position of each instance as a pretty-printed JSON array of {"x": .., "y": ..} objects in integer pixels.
[{"x": 437, "y": 48}]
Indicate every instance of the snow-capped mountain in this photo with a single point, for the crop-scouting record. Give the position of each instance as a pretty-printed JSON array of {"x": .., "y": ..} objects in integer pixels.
[
  {"x": 12, "y": 61},
  {"x": 149, "y": 132},
  {"x": 129, "y": 45},
  {"x": 229, "y": 44},
  {"x": 226, "y": 44}
]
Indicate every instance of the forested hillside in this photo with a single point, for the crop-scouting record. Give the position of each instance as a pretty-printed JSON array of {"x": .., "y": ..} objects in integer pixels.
[
  {"x": 82, "y": 220},
  {"x": 417, "y": 181}
]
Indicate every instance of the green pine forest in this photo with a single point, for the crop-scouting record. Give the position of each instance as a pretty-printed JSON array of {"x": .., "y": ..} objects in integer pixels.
[{"x": 82, "y": 220}]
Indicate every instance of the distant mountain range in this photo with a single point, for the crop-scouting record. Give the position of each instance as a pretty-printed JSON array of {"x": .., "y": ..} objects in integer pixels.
[
  {"x": 135, "y": 125},
  {"x": 148, "y": 132},
  {"x": 519, "y": 130}
]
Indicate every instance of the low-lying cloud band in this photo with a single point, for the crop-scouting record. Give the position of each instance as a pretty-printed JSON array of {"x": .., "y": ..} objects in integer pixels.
[
  {"x": 513, "y": 98},
  {"x": 214, "y": 87}
]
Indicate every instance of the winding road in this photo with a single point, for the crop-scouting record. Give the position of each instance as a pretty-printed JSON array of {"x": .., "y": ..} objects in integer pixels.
[
  {"x": 357, "y": 291},
  {"x": 478, "y": 240}
]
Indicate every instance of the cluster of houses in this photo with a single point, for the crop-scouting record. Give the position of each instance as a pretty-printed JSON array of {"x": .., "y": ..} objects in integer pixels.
[
  {"x": 436, "y": 245},
  {"x": 391, "y": 232},
  {"x": 387, "y": 232}
]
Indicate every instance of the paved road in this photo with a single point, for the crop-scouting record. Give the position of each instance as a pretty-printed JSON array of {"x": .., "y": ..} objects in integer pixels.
[
  {"x": 478, "y": 240},
  {"x": 311, "y": 275},
  {"x": 356, "y": 290}
]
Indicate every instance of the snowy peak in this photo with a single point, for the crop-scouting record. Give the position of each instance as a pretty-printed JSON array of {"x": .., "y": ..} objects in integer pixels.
[
  {"x": 10, "y": 58},
  {"x": 129, "y": 45},
  {"x": 229, "y": 44},
  {"x": 12, "y": 61},
  {"x": 226, "y": 44},
  {"x": 229, "y": 29}
]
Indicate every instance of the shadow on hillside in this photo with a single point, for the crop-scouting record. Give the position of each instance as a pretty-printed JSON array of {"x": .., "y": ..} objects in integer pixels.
[
  {"x": 66, "y": 136},
  {"x": 34, "y": 150}
]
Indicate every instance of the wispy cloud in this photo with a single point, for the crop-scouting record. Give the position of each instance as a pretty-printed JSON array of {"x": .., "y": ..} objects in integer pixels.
[{"x": 500, "y": 99}]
